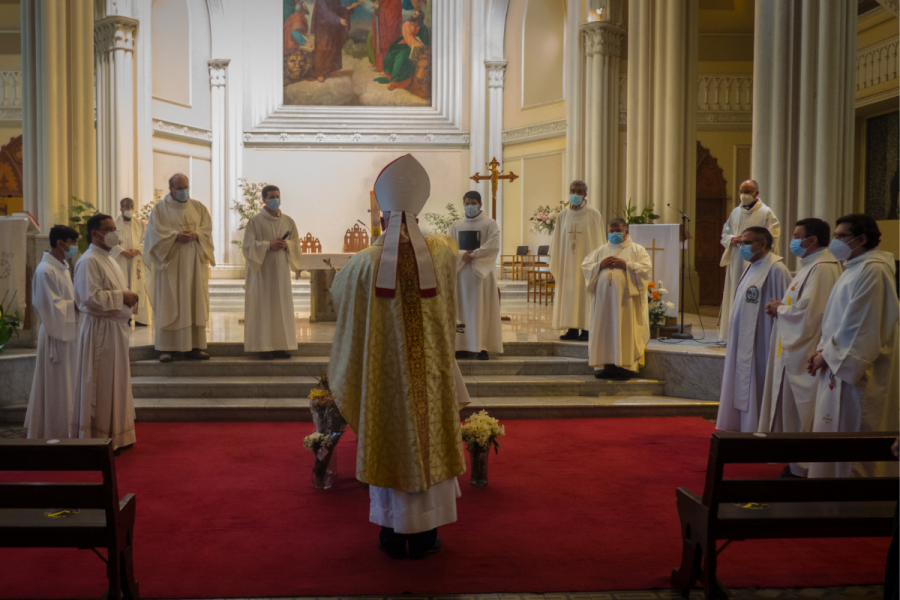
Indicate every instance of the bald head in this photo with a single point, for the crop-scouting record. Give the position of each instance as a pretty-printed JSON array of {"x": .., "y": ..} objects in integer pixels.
[
  {"x": 749, "y": 192},
  {"x": 179, "y": 187}
]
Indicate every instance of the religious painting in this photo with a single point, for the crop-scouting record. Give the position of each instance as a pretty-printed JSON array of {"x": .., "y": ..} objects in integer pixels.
[
  {"x": 883, "y": 167},
  {"x": 357, "y": 52}
]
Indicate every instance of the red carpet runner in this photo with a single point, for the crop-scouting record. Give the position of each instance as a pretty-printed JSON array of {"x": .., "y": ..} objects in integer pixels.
[{"x": 227, "y": 510}]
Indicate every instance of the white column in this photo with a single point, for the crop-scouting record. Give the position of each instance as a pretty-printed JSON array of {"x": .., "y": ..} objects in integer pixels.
[
  {"x": 58, "y": 146},
  {"x": 574, "y": 122},
  {"x": 477, "y": 107},
  {"x": 496, "y": 72},
  {"x": 603, "y": 43},
  {"x": 803, "y": 109},
  {"x": 114, "y": 42},
  {"x": 218, "y": 79},
  {"x": 662, "y": 105}
]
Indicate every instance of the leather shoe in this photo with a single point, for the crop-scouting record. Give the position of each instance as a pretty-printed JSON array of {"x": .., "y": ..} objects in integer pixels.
[
  {"x": 438, "y": 544},
  {"x": 571, "y": 334},
  {"x": 266, "y": 355},
  {"x": 584, "y": 336},
  {"x": 281, "y": 354},
  {"x": 462, "y": 355},
  {"x": 396, "y": 555},
  {"x": 623, "y": 374},
  {"x": 483, "y": 355},
  {"x": 605, "y": 374},
  {"x": 165, "y": 357},
  {"x": 197, "y": 354}
]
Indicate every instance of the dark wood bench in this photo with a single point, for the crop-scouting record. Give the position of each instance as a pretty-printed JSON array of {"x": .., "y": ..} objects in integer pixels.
[
  {"x": 790, "y": 508},
  {"x": 69, "y": 515}
]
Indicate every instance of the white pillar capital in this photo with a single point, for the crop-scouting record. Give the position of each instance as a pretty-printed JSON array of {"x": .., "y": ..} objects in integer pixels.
[
  {"x": 115, "y": 33},
  {"x": 218, "y": 71},
  {"x": 496, "y": 73},
  {"x": 603, "y": 37}
]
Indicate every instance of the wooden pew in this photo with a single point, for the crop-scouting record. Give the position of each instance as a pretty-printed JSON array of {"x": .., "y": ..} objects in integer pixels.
[
  {"x": 32, "y": 515},
  {"x": 784, "y": 508}
]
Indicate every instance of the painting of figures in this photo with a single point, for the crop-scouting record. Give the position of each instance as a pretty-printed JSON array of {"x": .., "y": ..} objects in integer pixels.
[{"x": 357, "y": 52}]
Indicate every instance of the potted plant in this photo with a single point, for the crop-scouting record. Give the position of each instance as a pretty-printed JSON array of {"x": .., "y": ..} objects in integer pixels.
[{"x": 330, "y": 425}]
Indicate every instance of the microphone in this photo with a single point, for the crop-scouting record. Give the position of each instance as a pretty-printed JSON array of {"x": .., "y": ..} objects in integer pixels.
[{"x": 683, "y": 214}]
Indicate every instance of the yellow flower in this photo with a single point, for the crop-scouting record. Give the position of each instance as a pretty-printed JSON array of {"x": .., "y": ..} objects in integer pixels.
[
  {"x": 319, "y": 395},
  {"x": 651, "y": 286},
  {"x": 655, "y": 295}
]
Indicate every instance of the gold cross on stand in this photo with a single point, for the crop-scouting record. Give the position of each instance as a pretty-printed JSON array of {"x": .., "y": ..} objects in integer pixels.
[
  {"x": 574, "y": 233},
  {"x": 653, "y": 250},
  {"x": 494, "y": 176}
]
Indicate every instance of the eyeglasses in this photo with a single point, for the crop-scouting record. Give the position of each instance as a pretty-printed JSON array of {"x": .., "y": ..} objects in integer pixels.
[
  {"x": 844, "y": 236},
  {"x": 107, "y": 229}
]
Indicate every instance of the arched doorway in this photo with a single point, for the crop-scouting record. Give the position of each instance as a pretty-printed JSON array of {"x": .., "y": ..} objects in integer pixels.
[{"x": 712, "y": 210}]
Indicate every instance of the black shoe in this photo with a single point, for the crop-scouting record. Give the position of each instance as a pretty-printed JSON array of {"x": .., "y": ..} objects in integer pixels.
[
  {"x": 461, "y": 355},
  {"x": 623, "y": 374},
  {"x": 571, "y": 334},
  {"x": 391, "y": 543},
  {"x": 266, "y": 355},
  {"x": 483, "y": 355},
  {"x": 605, "y": 374},
  {"x": 281, "y": 354},
  {"x": 584, "y": 336},
  {"x": 395, "y": 554},
  {"x": 438, "y": 544},
  {"x": 122, "y": 449},
  {"x": 197, "y": 354}
]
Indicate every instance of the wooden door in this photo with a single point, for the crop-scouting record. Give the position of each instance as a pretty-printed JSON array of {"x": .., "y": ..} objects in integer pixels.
[{"x": 712, "y": 210}]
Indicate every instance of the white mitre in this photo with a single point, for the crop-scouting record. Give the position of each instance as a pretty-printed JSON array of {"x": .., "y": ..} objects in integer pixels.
[{"x": 402, "y": 188}]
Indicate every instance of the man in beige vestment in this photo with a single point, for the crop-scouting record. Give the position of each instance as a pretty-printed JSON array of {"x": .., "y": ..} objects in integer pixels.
[
  {"x": 178, "y": 248},
  {"x": 393, "y": 372},
  {"x": 128, "y": 256}
]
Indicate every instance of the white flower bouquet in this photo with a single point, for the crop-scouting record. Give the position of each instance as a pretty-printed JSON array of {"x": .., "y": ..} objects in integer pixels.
[
  {"x": 482, "y": 430},
  {"x": 658, "y": 307}
]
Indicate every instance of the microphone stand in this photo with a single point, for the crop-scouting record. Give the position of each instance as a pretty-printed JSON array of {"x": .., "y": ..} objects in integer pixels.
[{"x": 684, "y": 221}]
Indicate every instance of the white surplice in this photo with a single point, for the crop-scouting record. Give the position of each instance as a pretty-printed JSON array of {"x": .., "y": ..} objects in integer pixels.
[
  {"x": 577, "y": 234},
  {"x": 269, "y": 298},
  {"x": 477, "y": 300},
  {"x": 859, "y": 391},
  {"x": 620, "y": 324},
  {"x": 747, "y": 353},
  {"x": 105, "y": 401},
  {"x": 131, "y": 237},
  {"x": 740, "y": 219},
  {"x": 51, "y": 406},
  {"x": 179, "y": 273}
]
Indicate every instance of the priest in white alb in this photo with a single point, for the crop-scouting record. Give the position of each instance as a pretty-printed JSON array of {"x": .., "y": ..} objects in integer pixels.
[
  {"x": 271, "y": 250},
  {"x": 105, "y": 401},
  {"x": 616, "y": 276},
  {"x": 51, "y": 409},
  {"x": 855, "y": 363},
  {"x": 178, "y": 248},
  {"x": 128, "y": 254},
  {"x": 747, "y": 353},
  {"x": 392, "y": 370},
  {"x": 579, "y": 231},
  {"x": 789, "y": 396},
  {"x": 477, "y": 300},
  {"x": 751, "y": 213}
]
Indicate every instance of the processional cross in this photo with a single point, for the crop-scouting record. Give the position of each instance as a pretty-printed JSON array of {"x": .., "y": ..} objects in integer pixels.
[
  {"x": 653, "y": 250},
  {"x": 494, "y": 176}
]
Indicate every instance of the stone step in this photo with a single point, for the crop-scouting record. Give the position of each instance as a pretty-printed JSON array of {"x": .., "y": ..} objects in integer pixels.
[
  {"x": 279, "y": 386},
  {"x": 314, "y": 366}
]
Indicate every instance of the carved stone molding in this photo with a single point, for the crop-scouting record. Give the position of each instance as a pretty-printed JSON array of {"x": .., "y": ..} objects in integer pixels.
[
  {"x": 115, "y": 33},
  {"x": 877, "y": 63},
  {"x": 218, "y": 71},
  {"x": 531, "y": 133},
  {"x": 604, "y": 38},
  {"x": 496, "y": 71},
  {"x": 364, "y": 139},
  {"x": 181, "y": 133}
]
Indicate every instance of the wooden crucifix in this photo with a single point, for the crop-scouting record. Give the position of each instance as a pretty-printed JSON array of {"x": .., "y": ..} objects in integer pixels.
[{"x": 494, "y": 176}]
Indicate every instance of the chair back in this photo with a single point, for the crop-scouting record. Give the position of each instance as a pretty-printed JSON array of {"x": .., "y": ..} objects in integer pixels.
[
  {"x": 543, "y": 250},
  {"x": 522, "y": 251}
]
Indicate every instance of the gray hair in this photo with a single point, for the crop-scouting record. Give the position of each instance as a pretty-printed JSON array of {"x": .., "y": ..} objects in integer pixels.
[{"x": 171, "y": 179}]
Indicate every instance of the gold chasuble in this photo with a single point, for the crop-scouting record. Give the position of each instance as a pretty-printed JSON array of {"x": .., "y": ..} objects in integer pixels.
[{"x": 392, "y": 368}]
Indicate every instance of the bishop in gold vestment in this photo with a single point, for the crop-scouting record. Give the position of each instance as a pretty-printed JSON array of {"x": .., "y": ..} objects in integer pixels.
[{"x": 395, "y": 379}]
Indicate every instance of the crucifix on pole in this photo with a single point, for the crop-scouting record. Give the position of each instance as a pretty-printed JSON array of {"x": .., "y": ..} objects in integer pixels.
[{"x": 494, "y": 176}]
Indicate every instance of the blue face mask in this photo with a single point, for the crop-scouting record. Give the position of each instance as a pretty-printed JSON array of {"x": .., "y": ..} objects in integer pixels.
[
  {"x": 472, "y": 210},
  {"x": 616, "y": 237},
  {"x": 798, "y": 250},
  {"x": 182, "y": 195},
  {"x": 747, "y": 252},
  {"x": 273, "y": 203},
  {"x": 71, "y": 252},
  {"x": 575, "y": 199}
]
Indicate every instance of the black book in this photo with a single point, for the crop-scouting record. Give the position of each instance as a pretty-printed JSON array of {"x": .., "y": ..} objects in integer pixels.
[{"x": 469, "y": 240}]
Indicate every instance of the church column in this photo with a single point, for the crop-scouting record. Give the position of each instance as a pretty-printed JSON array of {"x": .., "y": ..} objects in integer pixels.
[
  {"x": 114, "y": 40},
  {"x": 662, "y": 105},
  {"x": 218, "y": 79},
  {"x": 477, "y": 133},
  {"x": 574, "y": 122},
  {"x": 496, "y": 72},
  {"x": 804, "y": 57},
  {"x": 58, "y": 145},
  {"x": 602, "y": 55}
]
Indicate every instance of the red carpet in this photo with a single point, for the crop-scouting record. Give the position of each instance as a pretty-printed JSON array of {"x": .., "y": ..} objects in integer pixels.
[{"x": 227, "y": 510}]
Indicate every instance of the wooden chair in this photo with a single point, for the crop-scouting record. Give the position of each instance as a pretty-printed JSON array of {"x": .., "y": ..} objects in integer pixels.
[
  {"x": 781, "y": 508},
  {"x": 532, "y": 265},
  {"x": 356, "y": 239},
  {"x": 515, "y": 262},
  {"x": 546, "y": 287},
  {"x": 310, "y": 245},
  {"x": 93, "y": 517}
]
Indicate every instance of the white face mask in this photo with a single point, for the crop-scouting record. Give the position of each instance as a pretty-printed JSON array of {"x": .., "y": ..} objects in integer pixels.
[
  {"x": 840, "y": 249},
  {"x": 127, "y": 213},
  {"x": 111, "y": 239},
  {"x": 747, "y": 199}
]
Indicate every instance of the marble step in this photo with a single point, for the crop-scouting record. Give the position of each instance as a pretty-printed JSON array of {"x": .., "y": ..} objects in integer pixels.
[
  {"x": 277, "y": 386},
  {"x": 314, "y": 366}
]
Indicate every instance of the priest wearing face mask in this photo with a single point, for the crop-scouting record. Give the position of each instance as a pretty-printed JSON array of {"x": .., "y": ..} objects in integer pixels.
[
  {"x": 579, "y": 230},
  {"x": 617, "y": 274},
  {"x": 52, "y": 405},
  {"x": 105, "y": 401},
  {"x": 271, "y": 250},
  {"x": 789, "y": 397},
  {"x": 127, "y": 254},
  {"x": 751, "y": 213},
  {"x": 747, "y": 353},
  {"x": 855, "y": 363},
  {"x": 178, "y": 249},
  {"x": 477, "y": 300}
]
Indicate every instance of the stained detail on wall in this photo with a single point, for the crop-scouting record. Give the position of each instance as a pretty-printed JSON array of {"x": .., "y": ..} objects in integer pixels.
[{"x": 882, "y": 162}]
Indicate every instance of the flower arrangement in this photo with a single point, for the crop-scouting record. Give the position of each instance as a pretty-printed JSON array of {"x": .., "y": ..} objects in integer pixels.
[
  {"x": 10, "y": 320},
  {"x": 318, "y": 442},
  {"x": 659, "y": 308},
  {"x": 330, "y": 425},
  {"x": 144, "y": 213},
  {"x": 482, "y": 430},
  {"x": 250, "y": 206},
  {"x": 633, "y": 217},
  {"x": 441, "y": 223},
  {"x": 544, "y": 218}
]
